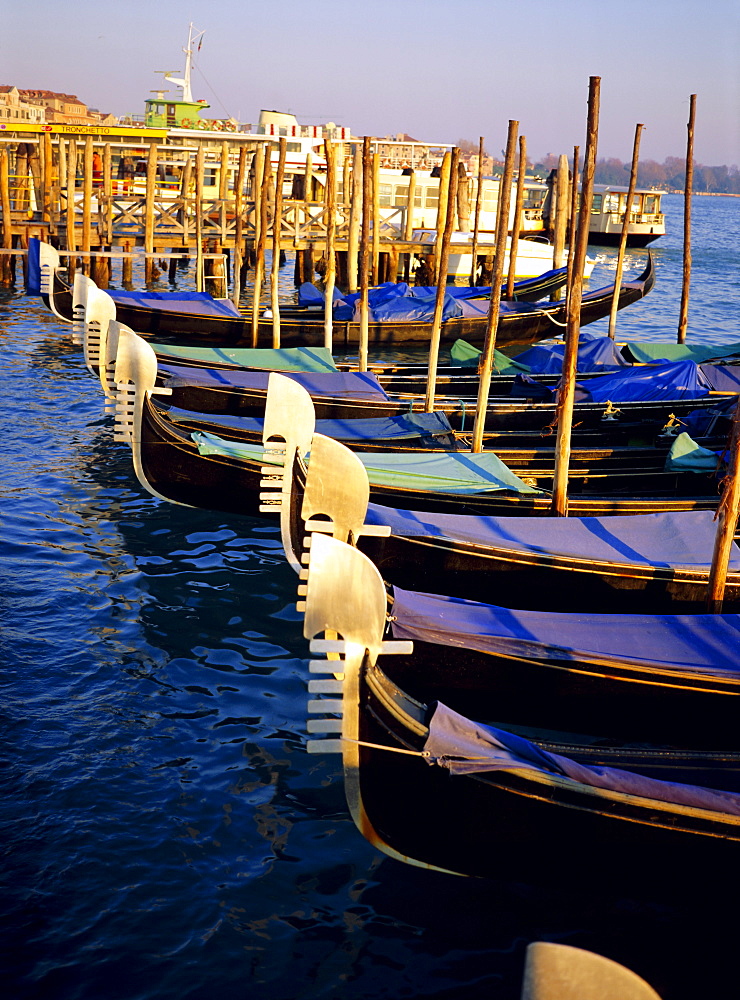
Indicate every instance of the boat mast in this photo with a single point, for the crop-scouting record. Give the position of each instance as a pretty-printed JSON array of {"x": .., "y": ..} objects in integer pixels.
[{"x": 184, "y": 83}]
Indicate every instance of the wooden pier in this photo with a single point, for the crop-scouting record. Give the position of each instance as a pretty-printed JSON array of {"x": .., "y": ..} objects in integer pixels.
[{"x": 98, "y": 197}]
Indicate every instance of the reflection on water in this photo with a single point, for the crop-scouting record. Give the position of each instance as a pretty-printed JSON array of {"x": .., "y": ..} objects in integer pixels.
[{"x": 164, "y": 834}]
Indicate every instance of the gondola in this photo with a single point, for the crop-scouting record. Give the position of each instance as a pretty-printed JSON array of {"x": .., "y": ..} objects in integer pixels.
[
  {"x": 205, "y": 470},
  {"x": 562, "y": 972},
  {"x": 356, "y": 395},
  {"x": 519, "y": 322},
  {"x": 206, "y": 388},
  {"x": 427, "y": 785},
  {"x": 655, "y": 563},
  {"x": 352, "y": 395}
]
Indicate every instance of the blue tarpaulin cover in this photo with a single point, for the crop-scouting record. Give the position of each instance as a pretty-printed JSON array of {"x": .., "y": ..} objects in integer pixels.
[
  {"x": 673, "y": 380},
  {"x": 33, "y": 272},
  {"x": 347, "y": 385},
  {"x": 310, "y": 295},
  {"x": 192, "y": 303},
  {"x": 697, "y": 644},
  {"x": 668, "y": 538},
  {"x": 467, "y": 747},
  {"x": 698, "y": 422},
  {"x": 404, "y": 309},
  {"x": 722, "y": 378},
  {"x": 595, "y": 353},
  {"x": 404, "y": 427}
]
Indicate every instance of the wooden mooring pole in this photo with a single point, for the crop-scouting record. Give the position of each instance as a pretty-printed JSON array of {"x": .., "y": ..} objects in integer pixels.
[
  {"x": 86, "y": 204},
  {"x": 375, "y": 269},
  {"x": 444, "y": 186},
  {"x": 199, "y": 171},
  {"x": 560, "y": 227},
  {"x": 497, "y": 279},
  {"x": 330, "y": 275},
  {"x": 408, "y": 227},
  {"x": 573, "y": 217},
  {"x": 47, "y": 181},
  {"x": 355, "y": 217},
  {"x": 451, "y": 201},
  {"x": 625, "y": 231},
  {"x": 727, "y": 516},
  {"x": 241, "y": 171},
  {"x": 518, "y": 211},
  {"x": 566, "y": 393},
  {"x": 151, "y": 178},
  {"x": 259, "y": 259},
  {"x": 476, "y": 223},
  {"x": 258, "y": 171},
  {"x": 277, "y": 219},
  {"x": 5, "y": 270},
  {"x": 367, "y": 166},
  {"x": 70, "y": 211},
  {"x": 683, "y": 317}
]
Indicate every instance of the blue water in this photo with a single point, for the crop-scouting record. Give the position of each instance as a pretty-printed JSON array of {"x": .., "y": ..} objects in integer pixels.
[{"x": 164, "y": 834}]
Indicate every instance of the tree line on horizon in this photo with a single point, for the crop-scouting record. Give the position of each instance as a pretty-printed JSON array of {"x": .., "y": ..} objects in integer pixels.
[{"x": 669, "y": 175}]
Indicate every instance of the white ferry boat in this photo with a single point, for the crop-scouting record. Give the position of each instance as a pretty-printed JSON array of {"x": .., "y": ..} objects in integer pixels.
[{"x": 646, "y": 221}]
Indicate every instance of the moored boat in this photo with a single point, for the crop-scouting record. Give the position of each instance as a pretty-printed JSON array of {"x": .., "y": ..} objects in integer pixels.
[
  {"x": 643, "y": 564},
  {"x": 608, "y": 207},
  {"x": 428, "y": 786},
  {"x": 159, "y": 316}
]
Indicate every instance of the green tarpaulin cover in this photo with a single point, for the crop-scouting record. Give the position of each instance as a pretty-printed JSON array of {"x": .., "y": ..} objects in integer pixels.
[
  {"x": 463, "y": 353},
  {"x": 452, "y": 472},
  {"x": 646, "y": 353},
  {"x": 687, "y": 456},
  {"x": 289, "y": 359}
]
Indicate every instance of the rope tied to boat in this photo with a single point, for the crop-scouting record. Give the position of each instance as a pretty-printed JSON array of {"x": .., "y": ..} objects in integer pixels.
[
  {"x": 443, "y": 760},
  {"x": 380, "y": 746}
]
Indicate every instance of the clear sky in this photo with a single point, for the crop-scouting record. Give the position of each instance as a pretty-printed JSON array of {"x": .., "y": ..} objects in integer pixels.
[{"x": 440, "y": 70}]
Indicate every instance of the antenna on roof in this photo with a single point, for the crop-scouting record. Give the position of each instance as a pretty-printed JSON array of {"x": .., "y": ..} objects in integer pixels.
[{"x": 184, "y": 81}]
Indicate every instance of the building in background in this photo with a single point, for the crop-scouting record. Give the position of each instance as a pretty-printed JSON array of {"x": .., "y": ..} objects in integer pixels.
[
  {"x": 16, "y": 109},
  {"x": 64, "y": 109}
]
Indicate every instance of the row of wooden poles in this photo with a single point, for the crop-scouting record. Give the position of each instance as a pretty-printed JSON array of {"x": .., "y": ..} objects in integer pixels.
[
  {"x": 578, "y": 241},
  {"x": 729, "y": 506},
  {"x": 364, "y": 235}
]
